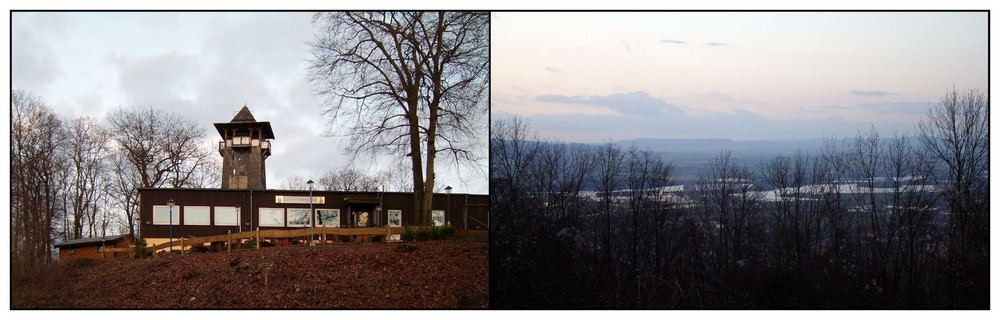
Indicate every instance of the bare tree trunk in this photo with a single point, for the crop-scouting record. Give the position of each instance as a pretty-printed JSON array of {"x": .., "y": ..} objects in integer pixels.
[{"x": 421, "y": 78}]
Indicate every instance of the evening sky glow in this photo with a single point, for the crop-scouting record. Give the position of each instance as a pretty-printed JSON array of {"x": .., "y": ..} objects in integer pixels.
[{"x": 592, "y": 76}]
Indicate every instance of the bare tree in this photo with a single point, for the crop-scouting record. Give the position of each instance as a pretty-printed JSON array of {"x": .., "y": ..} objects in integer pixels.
[
  {"x": 350, "y": 179},
  {"x": 206, "y": 168},
  {"x": 956, "y": 132},
  {"x": 396, "y": 178},
  {"x": 406, "y": 83},
  {"x": 911, "y": 199},
  {"x": 165, "y": 148},
  {"x": 830, "y": 173},
  {"x": 556, "y": 178},
  {"x": 297, "y": 182},
  {"x": 797, "y": 225},
  {"x": 645, "y": 177},
  {"x": 513, "y": 151},
  {"x": 154, "y": 148},
  {"x": 121, "y": 187},
  {"x": 730, "y": 209},
  {"x": 36, "y": 163},
  {"x": 86, "y": 149},
  {"x": 608, "y": 177},
  {"x": 867, "y": 165}
]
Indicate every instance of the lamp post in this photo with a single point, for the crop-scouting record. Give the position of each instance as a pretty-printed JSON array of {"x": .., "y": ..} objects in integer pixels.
[
  {"x": 170, "y": 203},
  {"x": 239, "y": 219},
  {"x": 312, "y": 216},
  {"x": 447, "y": 211}
]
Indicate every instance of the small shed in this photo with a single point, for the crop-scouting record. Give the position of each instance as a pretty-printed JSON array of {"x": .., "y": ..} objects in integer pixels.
[{"x": 89, "y": 247}]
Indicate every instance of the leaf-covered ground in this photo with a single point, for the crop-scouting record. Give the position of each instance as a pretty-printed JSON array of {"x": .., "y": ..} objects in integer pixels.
[{"x": 437, "y": 274}]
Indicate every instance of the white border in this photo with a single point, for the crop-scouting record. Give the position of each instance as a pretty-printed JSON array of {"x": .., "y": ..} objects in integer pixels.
[
  {"x": 444, "y": 218},
  {"x": 388, "y": 217},
  {"x": 337, "y": 225},
  {"x": 288, "y": 217},
  {"x": 271, "y": 211}
]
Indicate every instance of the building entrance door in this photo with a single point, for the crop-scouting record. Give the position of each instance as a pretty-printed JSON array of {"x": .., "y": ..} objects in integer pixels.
[
  {"x": 361, "y": 212},
  {"x": 361, "y": 218},
  {"x": 362, "y": 215}
]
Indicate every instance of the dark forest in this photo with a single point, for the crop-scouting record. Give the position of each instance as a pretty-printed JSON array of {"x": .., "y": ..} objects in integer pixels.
[{"x": 870, "y": 222}]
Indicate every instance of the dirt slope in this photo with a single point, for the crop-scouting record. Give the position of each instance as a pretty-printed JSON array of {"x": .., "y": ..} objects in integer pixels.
[{"x": 438, "y": 274}]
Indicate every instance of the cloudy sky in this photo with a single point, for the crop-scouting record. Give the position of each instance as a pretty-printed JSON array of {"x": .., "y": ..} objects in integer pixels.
[
  {"x": 590, "y": 77},
  {"x": 203, "y": 65}
]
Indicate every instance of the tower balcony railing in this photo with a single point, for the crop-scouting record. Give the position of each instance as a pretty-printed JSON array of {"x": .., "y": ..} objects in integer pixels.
[{"x": 239, "y": 142}]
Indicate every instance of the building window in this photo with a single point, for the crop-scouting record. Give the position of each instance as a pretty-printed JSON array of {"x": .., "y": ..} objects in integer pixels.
[
  {"x": 272, "y": 217},
  {"x": 162, "y": 215},
  {"x": 328, "y": 218},
  {"x": 196, "y": 216},
  {"x": 437, "y": 218},
  {"x": 298, "y": 217},
  {"x": 226, "y": 216},
  {"x": 395, "y": 218}
]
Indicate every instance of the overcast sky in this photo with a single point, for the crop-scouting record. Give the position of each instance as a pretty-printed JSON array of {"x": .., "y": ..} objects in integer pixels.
[
  {"x": 204, "y": 65},
  {"x": 589, "y": 77}
]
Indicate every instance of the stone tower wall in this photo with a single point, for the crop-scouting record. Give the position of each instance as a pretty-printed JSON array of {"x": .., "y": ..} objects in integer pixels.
[{"x": 243, "y": 168}]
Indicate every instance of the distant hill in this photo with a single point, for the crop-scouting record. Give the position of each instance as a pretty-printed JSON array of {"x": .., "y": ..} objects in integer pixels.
[
  {"x": 786, "y": 146},
  {"x": 689, "y": 156}
]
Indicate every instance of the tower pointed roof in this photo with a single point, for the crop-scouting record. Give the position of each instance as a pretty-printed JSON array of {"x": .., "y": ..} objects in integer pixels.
[
  {"x": 245, "y": 124},
  {"x": 244, "y": 116}
]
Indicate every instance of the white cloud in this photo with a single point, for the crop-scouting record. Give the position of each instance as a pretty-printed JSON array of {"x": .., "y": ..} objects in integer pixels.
[
  {"x": 203, "y": 65},
  {"x": 642, "y": 120},
  {"x": 631, "y": 103},
  {"x": 37, "y": 64}
]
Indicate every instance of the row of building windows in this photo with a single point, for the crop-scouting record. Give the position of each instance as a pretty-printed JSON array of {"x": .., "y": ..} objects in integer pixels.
[{"x": 271, "y": 217}]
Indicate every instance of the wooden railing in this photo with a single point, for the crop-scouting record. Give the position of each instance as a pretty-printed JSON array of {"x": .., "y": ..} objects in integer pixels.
[{"x": 323, "y": 232}]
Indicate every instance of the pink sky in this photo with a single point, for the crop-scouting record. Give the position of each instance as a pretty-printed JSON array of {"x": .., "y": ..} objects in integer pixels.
[{"x": 856, "y": 67}]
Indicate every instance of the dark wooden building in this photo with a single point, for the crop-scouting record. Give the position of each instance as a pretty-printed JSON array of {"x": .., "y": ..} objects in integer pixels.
[
  {"x": 243, "y": 203},
  {"x": 204, "y": 212},
  {"x": 87, "y": 248}
]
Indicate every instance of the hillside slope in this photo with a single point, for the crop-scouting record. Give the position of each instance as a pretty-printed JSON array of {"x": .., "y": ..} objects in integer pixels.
[{"x": 438, "y": 274}]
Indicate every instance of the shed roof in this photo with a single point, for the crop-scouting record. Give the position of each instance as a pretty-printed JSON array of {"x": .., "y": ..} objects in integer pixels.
[{"x": 87, "y": 241}]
